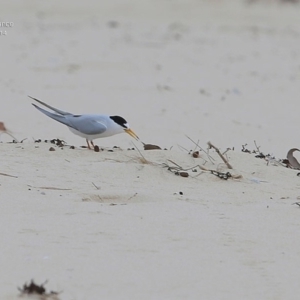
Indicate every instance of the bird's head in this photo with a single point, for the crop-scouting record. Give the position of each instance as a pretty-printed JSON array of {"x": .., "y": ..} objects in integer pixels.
[{"x": 124, "y": 125}]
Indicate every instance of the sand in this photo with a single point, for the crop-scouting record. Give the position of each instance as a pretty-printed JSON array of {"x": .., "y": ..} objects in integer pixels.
[{"x": 111, "y": 225}]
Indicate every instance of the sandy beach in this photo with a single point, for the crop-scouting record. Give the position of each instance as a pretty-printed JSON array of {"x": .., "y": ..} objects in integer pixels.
[{"x": 119, "y": 223}]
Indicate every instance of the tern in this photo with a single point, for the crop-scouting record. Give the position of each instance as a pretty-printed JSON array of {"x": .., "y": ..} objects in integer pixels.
[{"x": 89, "y": 126}]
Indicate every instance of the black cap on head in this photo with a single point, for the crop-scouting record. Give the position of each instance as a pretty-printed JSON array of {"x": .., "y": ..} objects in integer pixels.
[{"x": 119, "y": 120}]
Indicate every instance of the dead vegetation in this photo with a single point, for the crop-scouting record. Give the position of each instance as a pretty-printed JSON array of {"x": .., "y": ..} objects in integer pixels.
[
  {"x": 197, "y": 153},
  {"x": 176, "y": 169},
  {"x": 39, "y": 290},
  {"x": 4, "y": 174},
  {"x": 3, "y": 129},
  {"x": 210, "y": 145},
  {"x": 290, "y": 161},
  {"x": 151, "y": 147},
  {"x": 183, "y": 172}
]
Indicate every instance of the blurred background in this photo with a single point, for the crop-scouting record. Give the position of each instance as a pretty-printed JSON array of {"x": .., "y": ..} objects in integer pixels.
[{"x": 226, "y": 71}]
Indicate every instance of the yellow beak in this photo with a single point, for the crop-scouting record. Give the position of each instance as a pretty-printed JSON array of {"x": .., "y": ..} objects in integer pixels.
[{"x": 130, "y": 132}]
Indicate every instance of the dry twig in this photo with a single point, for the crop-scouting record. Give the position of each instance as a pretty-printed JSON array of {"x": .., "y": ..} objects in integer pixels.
[
  {"x": 48, "y": 188},
  {"x": 197, "y": 145},
  {"x": 95, "y": 186},
  {"x": 4, "y": 174},
  {"x": 132, "y": 196},
  {"x": 257, "y": 147},
  {"x": 220, "y": 154}
]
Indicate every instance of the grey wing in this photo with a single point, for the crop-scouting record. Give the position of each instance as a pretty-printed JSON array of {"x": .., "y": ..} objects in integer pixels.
[
  {"x": 64, "y": 113},
  {"x": 86, "y": 124}
]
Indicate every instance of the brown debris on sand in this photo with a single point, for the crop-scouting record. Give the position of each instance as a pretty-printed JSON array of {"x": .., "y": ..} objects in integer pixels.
[
  {"x": 34, "y": 289},
  {"x": 151, "y": 147},
  {"x": 195, "y": 154},
  {"x": 3, "y": 129}
]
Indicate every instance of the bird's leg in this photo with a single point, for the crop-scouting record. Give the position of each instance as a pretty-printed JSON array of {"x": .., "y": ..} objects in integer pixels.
[
  {"x": 88, "y": 144},
  {"x": 93, "y": 144}
]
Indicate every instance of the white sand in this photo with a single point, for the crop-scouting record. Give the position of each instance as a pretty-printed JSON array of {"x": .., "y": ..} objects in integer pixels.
[{"x": 223, "y": 72}]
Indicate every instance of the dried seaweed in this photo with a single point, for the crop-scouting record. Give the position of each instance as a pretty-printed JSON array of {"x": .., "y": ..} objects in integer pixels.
[
  {"x": 34, "y": 289},
  {"x": 267, "y": 157},
  {"x": 178, "y": 170},
  {"x": 221, "y": 175},
  {"x": 245, "y": 150}
]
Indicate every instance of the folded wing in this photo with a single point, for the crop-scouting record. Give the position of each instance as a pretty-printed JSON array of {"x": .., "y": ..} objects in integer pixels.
[{"x": 86, "y": 124}]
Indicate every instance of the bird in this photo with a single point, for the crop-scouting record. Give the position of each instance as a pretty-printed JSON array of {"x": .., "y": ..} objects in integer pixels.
[{"x": 88, "y": 126}]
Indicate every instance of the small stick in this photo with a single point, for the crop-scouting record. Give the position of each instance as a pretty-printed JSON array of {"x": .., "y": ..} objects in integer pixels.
[
  {"x": 49, "y": 188},
  {"x": 256, "y": 146},
  {"x": 144, "y": 159},
  {"x": 132, "y": 196},
  {"x": 220, "y": 154},
  {"x": 203, "y": 168},
  {"x": 210, "y": 158},
  {"x": 10, "y": 135},
  {"x": 183, "y": 148},
  {"x": 3, "y": 174},
  {"x": 226, "y": 151},
  {"x": 95, "y": 186},
  {"x": 174, "y": 163},
  {"x": 197, "y": 145}
]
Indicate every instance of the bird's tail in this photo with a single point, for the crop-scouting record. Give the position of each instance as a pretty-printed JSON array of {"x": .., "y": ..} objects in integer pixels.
[
  {"x": 63, "y": 113},
  {"x": 58, "y": 118}
]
